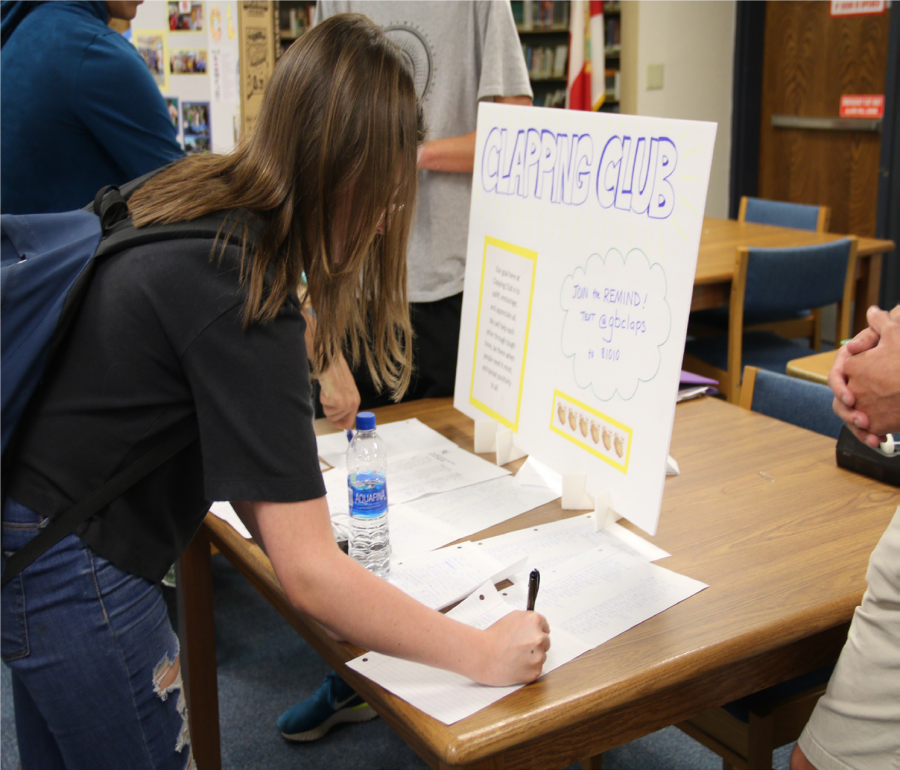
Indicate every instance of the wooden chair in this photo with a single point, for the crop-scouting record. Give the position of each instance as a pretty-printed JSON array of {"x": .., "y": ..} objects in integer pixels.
[
  {"x": 806, "y": 322},
  {"x": 774, "y": 280},
  {"x": 746, "y": 732}
]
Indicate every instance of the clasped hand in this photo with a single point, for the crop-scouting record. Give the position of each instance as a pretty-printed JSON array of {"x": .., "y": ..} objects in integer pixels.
[{"x": 865, "y": 378}]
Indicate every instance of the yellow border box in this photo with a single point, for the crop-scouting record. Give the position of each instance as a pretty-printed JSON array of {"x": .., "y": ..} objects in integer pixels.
[
  {"x": 161, "y": 33},
  {"x": 574, "y": 438},
  {"x": 527, "y": 254}
]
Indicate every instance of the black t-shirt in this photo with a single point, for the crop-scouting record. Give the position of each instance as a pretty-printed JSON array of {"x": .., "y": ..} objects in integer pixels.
[{"x": 158, "y": 340}]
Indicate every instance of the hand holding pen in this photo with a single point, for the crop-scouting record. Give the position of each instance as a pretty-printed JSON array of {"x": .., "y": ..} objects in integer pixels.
[
  {"x": 521, "y": 641},
  {"x": 534, "y": 583}
]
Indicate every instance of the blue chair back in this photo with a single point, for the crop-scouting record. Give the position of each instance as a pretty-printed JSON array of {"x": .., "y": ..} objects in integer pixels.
[
  {"x": 782, "y": 214},
  {"x": 799, "y": 278},
  {"x": 799, "y": 402}
]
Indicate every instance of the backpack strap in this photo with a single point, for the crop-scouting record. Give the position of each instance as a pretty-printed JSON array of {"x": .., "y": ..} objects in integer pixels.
[
  {"x": 110, "y": 207},
  {"x": 66, "y": 523},
  {"x": 118, "y": 235}
]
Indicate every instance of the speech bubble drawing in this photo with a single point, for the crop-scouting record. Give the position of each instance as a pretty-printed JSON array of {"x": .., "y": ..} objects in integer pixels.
[{"x": 617, "y": 319}]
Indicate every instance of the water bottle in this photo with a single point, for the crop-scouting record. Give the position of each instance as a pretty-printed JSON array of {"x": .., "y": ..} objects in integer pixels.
[{"x": 370, "y": 542}]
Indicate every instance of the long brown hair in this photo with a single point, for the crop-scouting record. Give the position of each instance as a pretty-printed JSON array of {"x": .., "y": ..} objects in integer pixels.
[{"x": 333, "y": 150}]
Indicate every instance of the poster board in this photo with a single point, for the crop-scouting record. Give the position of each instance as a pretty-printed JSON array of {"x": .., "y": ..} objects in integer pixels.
[{"x": 583, "y": 239}]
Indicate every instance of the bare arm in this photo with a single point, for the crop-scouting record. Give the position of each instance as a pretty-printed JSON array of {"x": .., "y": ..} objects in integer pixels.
[
  {"x": 356, "y": 605},
  {"x": 457, "y": 153},
  {"x": 338, "y": 391}
]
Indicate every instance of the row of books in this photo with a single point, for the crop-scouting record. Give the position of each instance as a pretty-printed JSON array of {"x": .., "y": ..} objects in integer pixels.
[
  {"x": 294, "y": 20},
  {"x": 546, "y": 61},
  {"x": 555, "y": 98},
  {"x": 541, "y": 14},
  {"x": 612, "y": 32},
  {"x": 533, "y": 15},
  {"x": 613, "y": 85}
]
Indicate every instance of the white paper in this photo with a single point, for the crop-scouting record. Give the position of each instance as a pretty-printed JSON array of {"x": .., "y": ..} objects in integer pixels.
[
  {"x": 411, "y": 476},
  {"x": 597, "y": 595},
  {"x": 432, "y": 521},
  {"x": 446, "y": 696},
  {"x": 686, "y": 394},
  {"x": 587, "y": 600},
  {"x": 548, "y": 545},
  {"x": 336, "y": 492},
  {"x": 634, "y": 544},
  {"x": 412, "y": 533},
  {"x": 400, "y": 438},
  {"x": 440, "y": 578},
  {"x": 474, "y": 508}
]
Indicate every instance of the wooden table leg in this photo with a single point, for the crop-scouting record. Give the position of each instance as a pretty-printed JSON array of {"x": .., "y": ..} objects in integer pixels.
[
  {"x": 197, "y": 634},
  {"x": 868, "y": 283}
]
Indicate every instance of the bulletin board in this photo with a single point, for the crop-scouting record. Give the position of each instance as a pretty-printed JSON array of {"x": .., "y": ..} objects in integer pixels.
[
  {"x": 583, "y": 239},
  {"x": 192, "y": 50}
]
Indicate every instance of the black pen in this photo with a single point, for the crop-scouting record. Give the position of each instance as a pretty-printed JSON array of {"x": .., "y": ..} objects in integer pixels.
[{"x": 534, "y": 582}]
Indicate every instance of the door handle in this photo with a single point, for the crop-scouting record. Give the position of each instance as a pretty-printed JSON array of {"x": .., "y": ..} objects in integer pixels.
[{"x": 826, "y": 124}]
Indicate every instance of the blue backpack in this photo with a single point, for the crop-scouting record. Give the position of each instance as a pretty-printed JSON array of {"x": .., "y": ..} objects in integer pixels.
[{"x": 47, "y": 264}]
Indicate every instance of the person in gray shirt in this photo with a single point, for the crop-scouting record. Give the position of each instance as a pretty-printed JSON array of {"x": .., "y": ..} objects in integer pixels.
[{"x": 461, "y": 53}]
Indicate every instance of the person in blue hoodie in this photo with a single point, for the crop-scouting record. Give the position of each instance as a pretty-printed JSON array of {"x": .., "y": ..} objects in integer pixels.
[{"x": 79, "y": 108}]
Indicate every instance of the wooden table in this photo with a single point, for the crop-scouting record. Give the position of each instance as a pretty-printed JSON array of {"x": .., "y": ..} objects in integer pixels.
[
  {"x": 760, "y": 512},
  {"x": 722, "y": 237},
  {"x": 814, "y": 368}
]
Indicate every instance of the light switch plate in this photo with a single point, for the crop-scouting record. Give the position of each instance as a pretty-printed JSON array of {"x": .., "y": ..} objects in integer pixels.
[{"x": 654, "y": 77}]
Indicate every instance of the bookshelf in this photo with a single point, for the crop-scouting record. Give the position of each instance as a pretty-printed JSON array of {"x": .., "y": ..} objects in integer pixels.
[
  {"x": 543, "y": 27},
  {"x": 612, "y": 23},
  {"x": 292, "y": 18}
]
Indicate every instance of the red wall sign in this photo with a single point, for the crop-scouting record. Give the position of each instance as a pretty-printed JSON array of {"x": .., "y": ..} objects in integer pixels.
[
  {"x": 862, "y": 106},
  {"x": 856, "y": 7}
]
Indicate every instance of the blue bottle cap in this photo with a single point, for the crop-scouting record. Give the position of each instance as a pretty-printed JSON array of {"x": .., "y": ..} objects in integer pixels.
[{"x": 365, "y": 421}]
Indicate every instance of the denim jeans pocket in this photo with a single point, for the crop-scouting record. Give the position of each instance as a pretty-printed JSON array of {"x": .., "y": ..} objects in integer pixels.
[{"x": 14, "y": 622}]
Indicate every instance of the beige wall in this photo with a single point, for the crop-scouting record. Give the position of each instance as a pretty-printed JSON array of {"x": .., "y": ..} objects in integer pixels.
[{"x": 694, "y": 41}]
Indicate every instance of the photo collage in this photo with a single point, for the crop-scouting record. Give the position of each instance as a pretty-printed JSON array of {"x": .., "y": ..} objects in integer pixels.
[{"x": 166, "y": 58}]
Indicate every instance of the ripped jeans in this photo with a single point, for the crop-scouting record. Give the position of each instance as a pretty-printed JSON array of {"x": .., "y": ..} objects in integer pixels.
[{"x": 91, "y": 651}]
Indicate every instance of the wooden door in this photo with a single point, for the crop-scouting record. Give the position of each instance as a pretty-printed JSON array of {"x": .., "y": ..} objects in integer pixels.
[{"x": 810, "y": 60}]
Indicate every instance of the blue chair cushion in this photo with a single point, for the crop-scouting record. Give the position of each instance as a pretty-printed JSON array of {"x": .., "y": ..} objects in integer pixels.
[
  {"x": 717, "y": 317},
  {"x": 799, "y": 402},
  {"x": 762, "y": 349},
  {"x": 782, "y": 214}
]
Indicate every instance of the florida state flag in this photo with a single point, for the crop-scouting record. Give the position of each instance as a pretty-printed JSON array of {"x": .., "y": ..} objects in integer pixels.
[{"x": 587, "y": 65}]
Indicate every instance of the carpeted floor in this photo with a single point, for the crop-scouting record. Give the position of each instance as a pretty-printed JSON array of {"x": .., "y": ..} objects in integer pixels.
[{"x": 265, "y": 667}]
